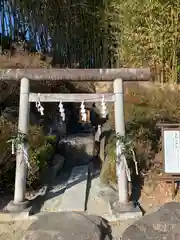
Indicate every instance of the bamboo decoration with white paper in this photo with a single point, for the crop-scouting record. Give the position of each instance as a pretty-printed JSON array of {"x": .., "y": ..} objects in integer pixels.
[{"x": 18, "y": 143}]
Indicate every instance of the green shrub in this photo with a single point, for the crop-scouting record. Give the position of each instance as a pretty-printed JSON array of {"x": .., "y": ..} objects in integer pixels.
[
  {"x": 51, "y": 139},
  {"x": 39, "y": 157},
  {"x": 39, "y": 160},
  {"x": 7, "y": 161},
  {"x": 41, "y": 149}
]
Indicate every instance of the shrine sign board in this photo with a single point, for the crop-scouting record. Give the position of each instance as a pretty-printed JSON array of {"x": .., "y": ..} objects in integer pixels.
[{"x": 171, "y": 149}]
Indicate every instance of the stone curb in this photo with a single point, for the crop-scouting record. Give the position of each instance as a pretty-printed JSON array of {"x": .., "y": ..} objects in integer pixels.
[{"x": 10, "y": 217}]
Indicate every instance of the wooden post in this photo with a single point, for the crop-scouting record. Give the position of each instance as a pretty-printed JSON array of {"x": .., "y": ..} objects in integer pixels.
[
  {"x": 120, "y": 129},
  {"x": 21, "y": 166}
]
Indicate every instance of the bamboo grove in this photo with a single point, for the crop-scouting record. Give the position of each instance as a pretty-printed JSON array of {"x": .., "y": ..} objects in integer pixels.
[{"x": 94, "y": 33}]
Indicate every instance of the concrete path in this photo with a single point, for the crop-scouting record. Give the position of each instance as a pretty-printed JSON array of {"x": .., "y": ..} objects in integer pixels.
[
  {"x": 54, "y": 195},
  {"x": 68, "y": 192},
  {"x": 75, "y": 195}
]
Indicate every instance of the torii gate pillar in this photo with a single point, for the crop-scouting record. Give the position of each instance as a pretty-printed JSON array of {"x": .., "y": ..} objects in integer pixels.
[{"x": 120, "y": 129}]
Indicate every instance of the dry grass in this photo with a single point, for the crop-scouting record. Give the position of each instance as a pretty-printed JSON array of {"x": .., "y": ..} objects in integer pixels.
[
  {"x": 144, "y": 108},
  {"x": 36, "y": 60},
  {"x": 23, "y": 60}
]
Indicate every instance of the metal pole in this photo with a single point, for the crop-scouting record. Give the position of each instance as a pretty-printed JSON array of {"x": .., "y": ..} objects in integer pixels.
[
  {"x": 21, "y": 166},
  {"x": 120, "y": 129}
]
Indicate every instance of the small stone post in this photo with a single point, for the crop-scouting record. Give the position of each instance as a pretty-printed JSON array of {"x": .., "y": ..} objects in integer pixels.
[
  {"x": 21, "y": 166},
  {"x": 120, "y": 129}
]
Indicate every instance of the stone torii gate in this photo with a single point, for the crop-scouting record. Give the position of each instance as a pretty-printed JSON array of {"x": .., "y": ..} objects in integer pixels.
[{"x": 93, "y": 75}]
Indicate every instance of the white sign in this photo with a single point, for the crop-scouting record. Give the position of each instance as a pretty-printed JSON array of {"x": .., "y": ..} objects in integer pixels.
[{"x": 172, "y": 151}]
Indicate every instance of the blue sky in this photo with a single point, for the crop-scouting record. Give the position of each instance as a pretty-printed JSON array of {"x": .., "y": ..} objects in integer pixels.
[{"x": 7, "y": 25}]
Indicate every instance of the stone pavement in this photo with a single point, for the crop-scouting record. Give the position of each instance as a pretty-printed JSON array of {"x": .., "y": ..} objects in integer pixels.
[
  {"x": 68, "y": 192},
  {"x": 96, "y": 204},
  {"x": 77, "y": 150},
  {"x": 54, "y": 195},
  {"x": 74, "y": 197},
  {"x": 60, "y": 197}
]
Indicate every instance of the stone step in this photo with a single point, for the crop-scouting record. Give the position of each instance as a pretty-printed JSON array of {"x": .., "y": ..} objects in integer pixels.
[
  {"x": 74, "y": 197},
  {"x": 96, "y": 205}
]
